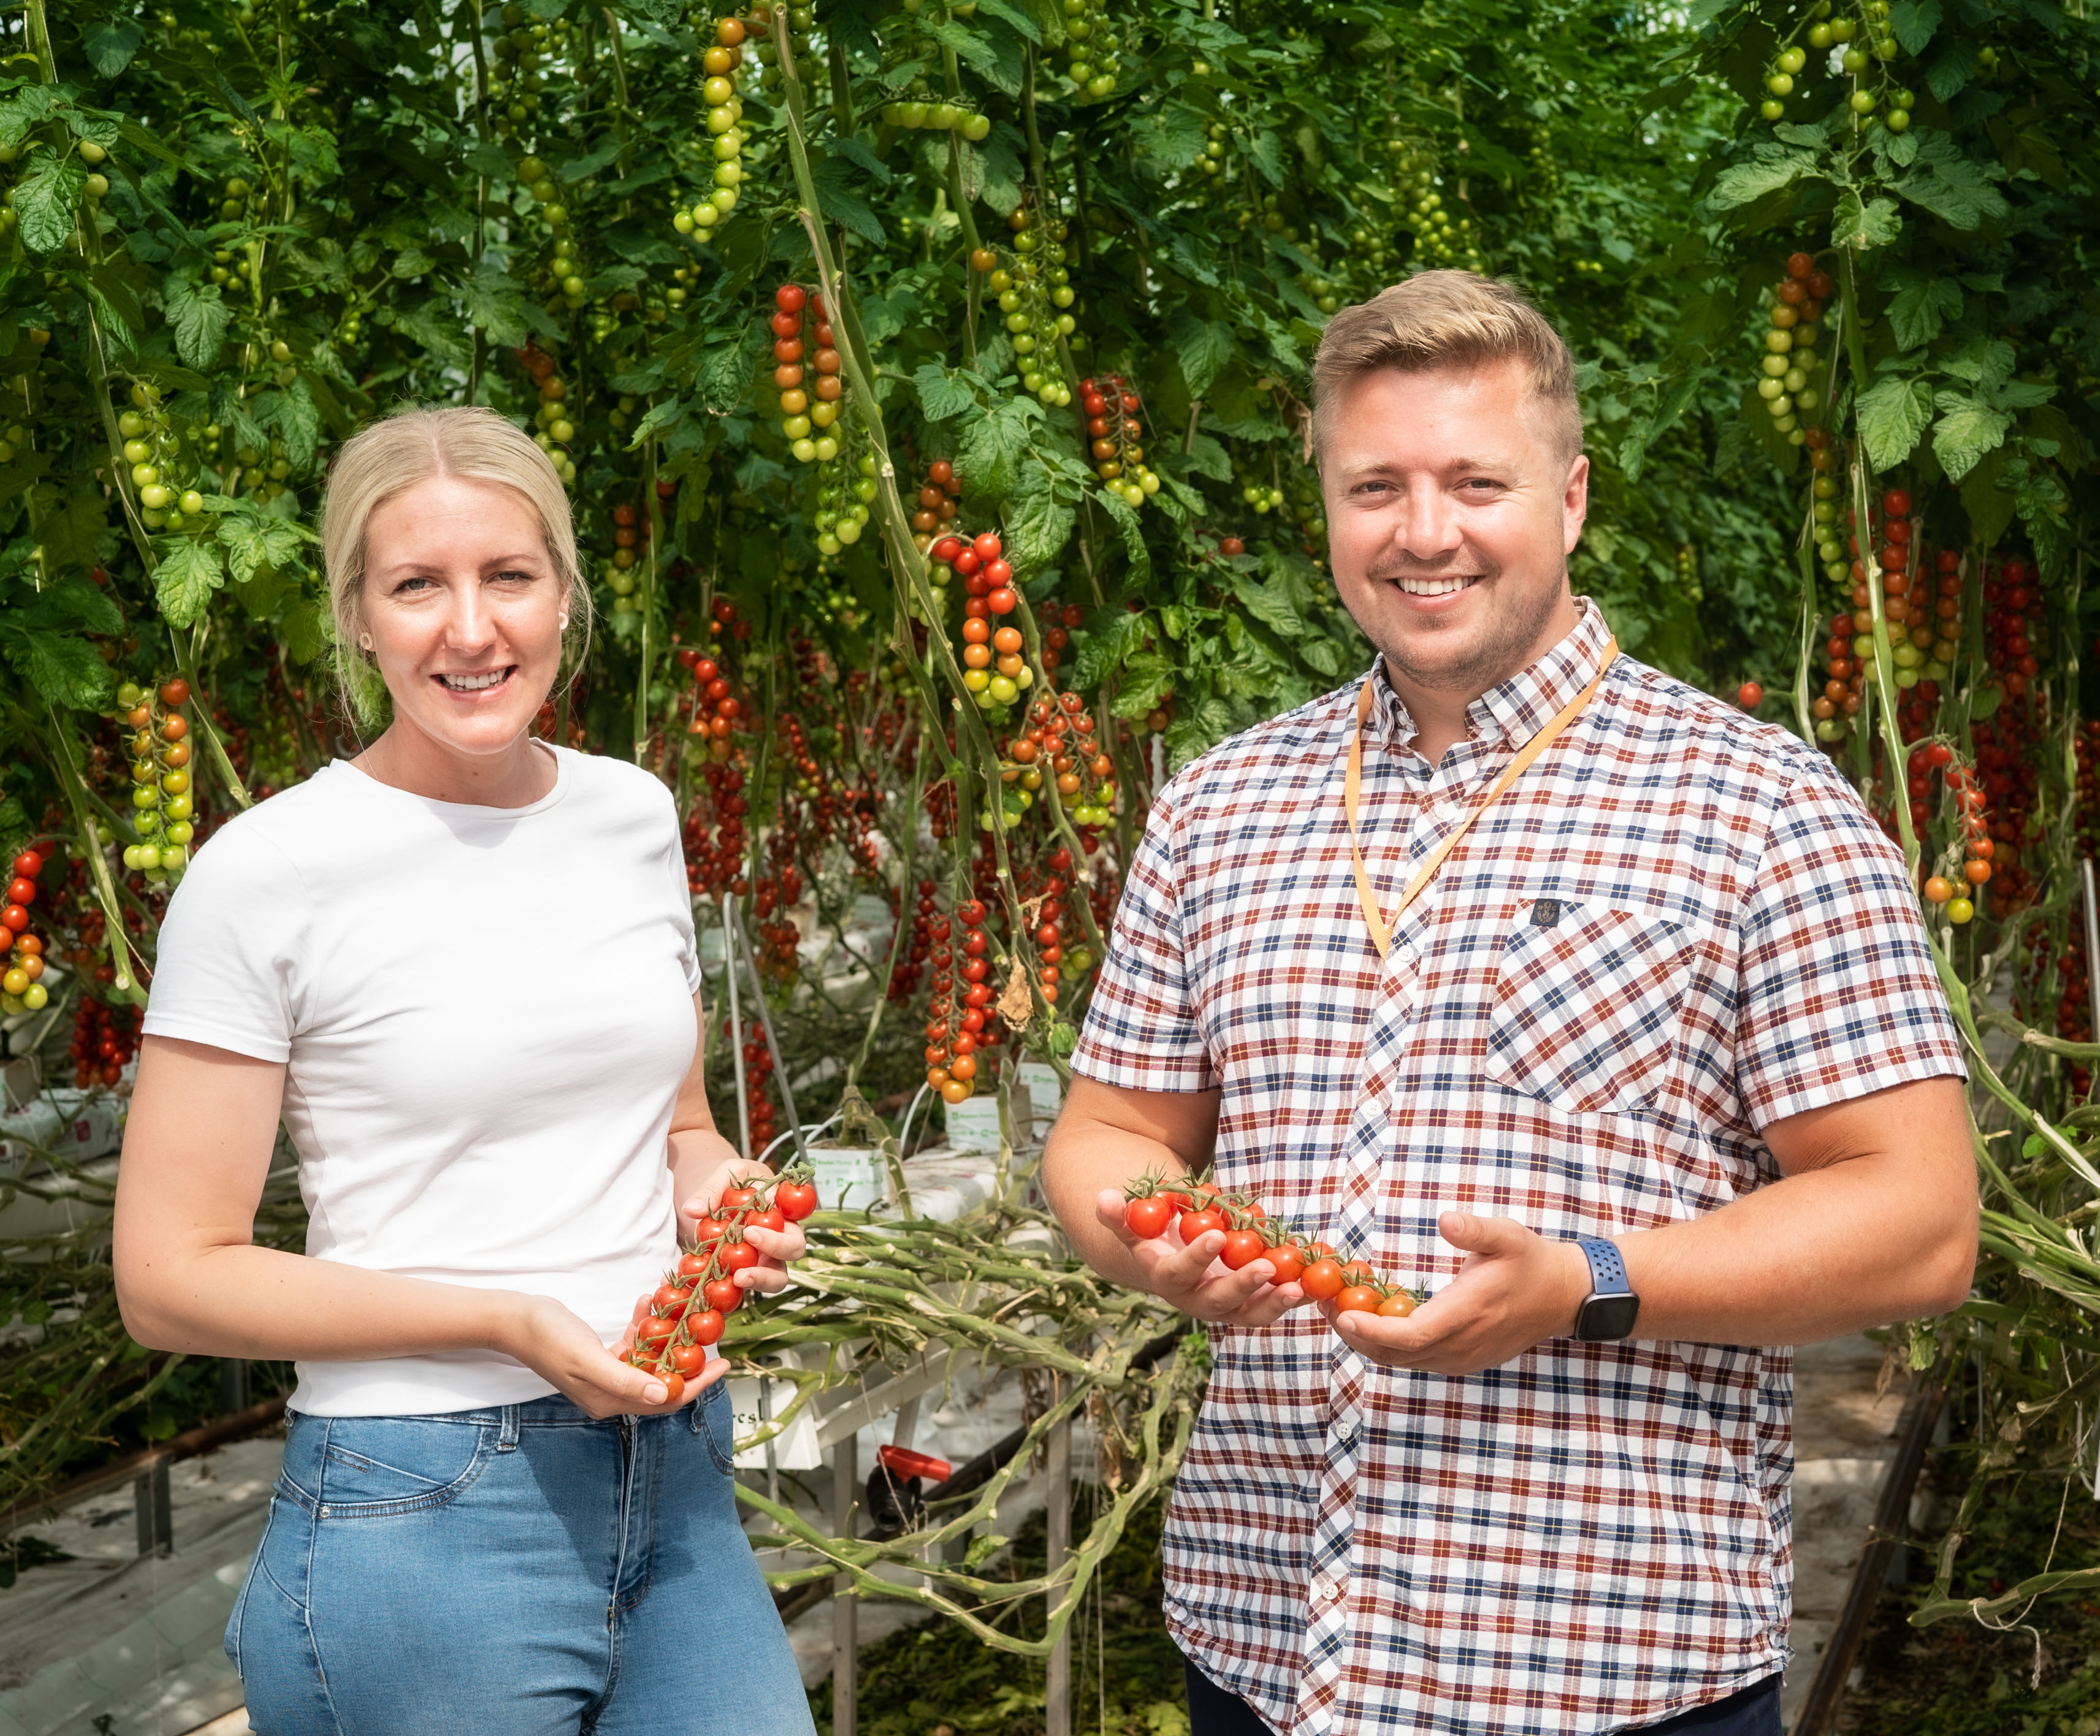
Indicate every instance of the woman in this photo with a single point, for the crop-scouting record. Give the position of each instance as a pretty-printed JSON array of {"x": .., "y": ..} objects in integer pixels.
[{"x": 460, "y": 968}]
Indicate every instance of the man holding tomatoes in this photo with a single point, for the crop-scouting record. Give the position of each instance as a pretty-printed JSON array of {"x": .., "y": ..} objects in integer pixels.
[{"x": 1546, "y": 985}]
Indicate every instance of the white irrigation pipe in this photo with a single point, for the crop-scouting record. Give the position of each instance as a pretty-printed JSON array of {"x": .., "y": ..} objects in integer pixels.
[{"x": 781, "y": 1139}]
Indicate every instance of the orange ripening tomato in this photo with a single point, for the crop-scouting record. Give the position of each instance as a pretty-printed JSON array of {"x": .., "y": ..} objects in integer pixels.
[{"x": 1358, "y": 1298}]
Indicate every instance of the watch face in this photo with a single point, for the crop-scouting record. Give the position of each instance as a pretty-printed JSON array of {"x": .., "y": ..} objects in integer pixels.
[{"x": 1608, "y": 1317}]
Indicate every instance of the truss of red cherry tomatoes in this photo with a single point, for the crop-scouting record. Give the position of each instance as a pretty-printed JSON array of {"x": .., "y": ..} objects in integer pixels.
[
  {"x": 690, "y": 1309},
  {"x": 1194, "y": 1207}
]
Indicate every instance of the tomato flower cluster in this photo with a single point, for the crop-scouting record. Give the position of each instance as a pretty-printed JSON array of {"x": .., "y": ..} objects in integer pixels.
[
  {"x": 1195, "y": 1207},
  {"x": 690, "y": 1308},
  {"x": 20, "y": 990}
]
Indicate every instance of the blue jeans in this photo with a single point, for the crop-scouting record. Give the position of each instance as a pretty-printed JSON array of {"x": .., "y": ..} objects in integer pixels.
[{"x": 517, "y": 1571}]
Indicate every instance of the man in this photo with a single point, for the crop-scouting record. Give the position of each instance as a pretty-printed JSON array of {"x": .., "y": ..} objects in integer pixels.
[{"x": 1670, "y": 992}]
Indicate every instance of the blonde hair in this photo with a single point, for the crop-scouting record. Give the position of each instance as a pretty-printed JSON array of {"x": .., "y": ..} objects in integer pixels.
[
  {"x": 413, "y": 445},
  {"x": 1438, "y": 319}
]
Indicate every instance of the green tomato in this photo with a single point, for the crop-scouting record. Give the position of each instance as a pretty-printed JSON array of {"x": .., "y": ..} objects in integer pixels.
[{"x": 1897, "y": 121}]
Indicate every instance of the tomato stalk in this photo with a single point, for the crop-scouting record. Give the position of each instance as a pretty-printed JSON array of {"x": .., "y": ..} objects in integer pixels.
[
  {"x": 120, "y": 952},
  {"x": 900, "y": 931},
  {"x": 908, "y": 567},
  {"x": 1863, "y": 536}
]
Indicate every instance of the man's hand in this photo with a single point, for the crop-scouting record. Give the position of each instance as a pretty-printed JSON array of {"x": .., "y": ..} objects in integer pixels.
[
  {"x": 1515, "y": 1290},
  {"x": 1193, "y": 1280}
]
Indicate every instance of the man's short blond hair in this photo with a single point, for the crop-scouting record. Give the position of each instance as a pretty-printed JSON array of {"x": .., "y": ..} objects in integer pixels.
[{"x": 1440, "y": 320}]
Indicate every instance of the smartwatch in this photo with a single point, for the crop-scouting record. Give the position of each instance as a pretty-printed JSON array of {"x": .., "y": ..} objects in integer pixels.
[{"x": 1609, "y": 1310}]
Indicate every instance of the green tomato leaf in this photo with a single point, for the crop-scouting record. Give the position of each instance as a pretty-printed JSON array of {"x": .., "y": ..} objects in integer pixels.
[
  {"x": 495, "y": 303},
  {"x": 294, "y": 415},
  {"x": 45, "y": 198},
  {"x": 1038, "y": 526},
  {"x": 188, "y": 573},
  {"x": 1102, "y": 648},
  {"x": 257, "y": 546},
  {"x": 1920, "y": 306},
  {"x": 1860, "y": 226},
  {"x": 111, "y": 43},
  {"x": 1913, "y": 22},
  {"x": 1270, "y": 607},
  {"x": 27, "y": 109},
  {"x": 1202, "y": 346},
  {"x": 1133, "y": 537},
  {"x": 1146, "y": 675},
  {"x": 63, "y": 670},
  {"x": 1968, "y": 428},
  {"x": 198, "y": 318},
  {"x": 1774, "y": 166},
  {"x": 992, "y": 445},
  {"x": 941, "y": 394},
  {"x": 1953, "y": 188},
  {"x": 1893, "y": 415}
]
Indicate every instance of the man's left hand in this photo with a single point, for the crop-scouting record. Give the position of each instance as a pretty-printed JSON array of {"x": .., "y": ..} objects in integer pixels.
[{"x": 1515, "y": 1290}]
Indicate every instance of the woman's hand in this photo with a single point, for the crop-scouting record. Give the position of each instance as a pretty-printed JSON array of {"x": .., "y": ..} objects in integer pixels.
[
  {"x": 556, "y": 1345},
  {"x": 777, "y": 1247}
]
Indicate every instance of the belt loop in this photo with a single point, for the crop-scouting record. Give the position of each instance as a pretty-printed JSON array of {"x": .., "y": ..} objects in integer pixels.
[{"x": 506, "y": 1439}]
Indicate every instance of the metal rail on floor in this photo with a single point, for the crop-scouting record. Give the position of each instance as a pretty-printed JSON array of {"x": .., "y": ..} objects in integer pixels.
[
  {"x": 147, "y": 1472},
  {"x": 1920, "y": 1416}
]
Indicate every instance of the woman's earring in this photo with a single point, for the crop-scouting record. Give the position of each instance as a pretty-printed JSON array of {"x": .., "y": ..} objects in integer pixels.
[
  {"x": 563, "y": 623},
  {"x": 365, "y": 641}
]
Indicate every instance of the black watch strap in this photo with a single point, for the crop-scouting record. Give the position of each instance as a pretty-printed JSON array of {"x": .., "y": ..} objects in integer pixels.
[{"x": 1610, "y": 1310}]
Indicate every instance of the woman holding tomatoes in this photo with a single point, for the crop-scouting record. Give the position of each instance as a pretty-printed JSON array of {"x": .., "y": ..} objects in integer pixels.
[{"x": 486, "y": 1521}]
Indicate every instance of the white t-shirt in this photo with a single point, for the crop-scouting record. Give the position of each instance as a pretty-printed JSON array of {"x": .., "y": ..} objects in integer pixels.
[{"x": 486, "y": 1014}]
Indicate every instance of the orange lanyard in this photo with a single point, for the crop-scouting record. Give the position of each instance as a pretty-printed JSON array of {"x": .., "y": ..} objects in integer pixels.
[{"x": 1380, "y": 928}]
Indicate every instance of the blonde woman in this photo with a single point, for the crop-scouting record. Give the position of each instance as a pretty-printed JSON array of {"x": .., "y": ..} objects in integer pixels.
[{"x": 461, "y": 969}]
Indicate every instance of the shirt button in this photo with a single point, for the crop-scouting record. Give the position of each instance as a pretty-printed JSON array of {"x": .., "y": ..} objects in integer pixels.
[
  {"x": 1346, "y": 1434},
  {"x": 1331, "y": 1592}
]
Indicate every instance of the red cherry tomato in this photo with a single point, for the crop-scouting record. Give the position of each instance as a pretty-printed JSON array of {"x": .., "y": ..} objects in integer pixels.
[
  {"x": 986, "y": 546},
  {"x": 722, "y": 1296},
  {"x": 791, "y": 298},
  {"x": 688, "y": 1360},
  {"x": 947, "y": 549},
  {"x": 656, "y": 1329},
  {"x": 1323, "y": 1280},
  {"x": 175, "y": 693},
  {"x": 674, "y": 1387},
  {"x": 692, "y": 1265},
  {"x": 1003, "y": 600},
  {"x": 1289, "y": 1261},
  {"x": 706, "y": 1326},
  {"x": 1149, "y": 1217},
  {"x": 737, "y": 1200},
  {"x": 1193, "y": 1224},
  {"x": 28, "y": 865},
  {"x": 737, "y": 1257},
  {"x": 1242, "y": 1248},
  {"x": 1398, "y": 1306},
  {"x": 670, "y": 1298},
  {"x": 1357, "y": 1299},
  {"x": 771, "y": 1219},
  {"x": 1749, "y": 696},
  {"x": 797, "y": 1200}
]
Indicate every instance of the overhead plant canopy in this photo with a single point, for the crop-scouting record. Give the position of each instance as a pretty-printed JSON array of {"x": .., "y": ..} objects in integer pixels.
[{"x": 931, "y": 384}]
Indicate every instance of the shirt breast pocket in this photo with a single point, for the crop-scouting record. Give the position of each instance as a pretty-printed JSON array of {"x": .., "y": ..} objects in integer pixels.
[{"x": 1586, "y": 1006}]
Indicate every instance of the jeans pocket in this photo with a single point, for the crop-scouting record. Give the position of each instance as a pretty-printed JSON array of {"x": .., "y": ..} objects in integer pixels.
[
  {"x": 714, "y": 1418},
  {"x": 377, "y": 1467}
]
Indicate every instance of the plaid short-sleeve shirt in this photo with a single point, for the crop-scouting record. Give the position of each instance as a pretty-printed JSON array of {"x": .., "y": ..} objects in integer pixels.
[{"x": 1679, "y": 925}]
